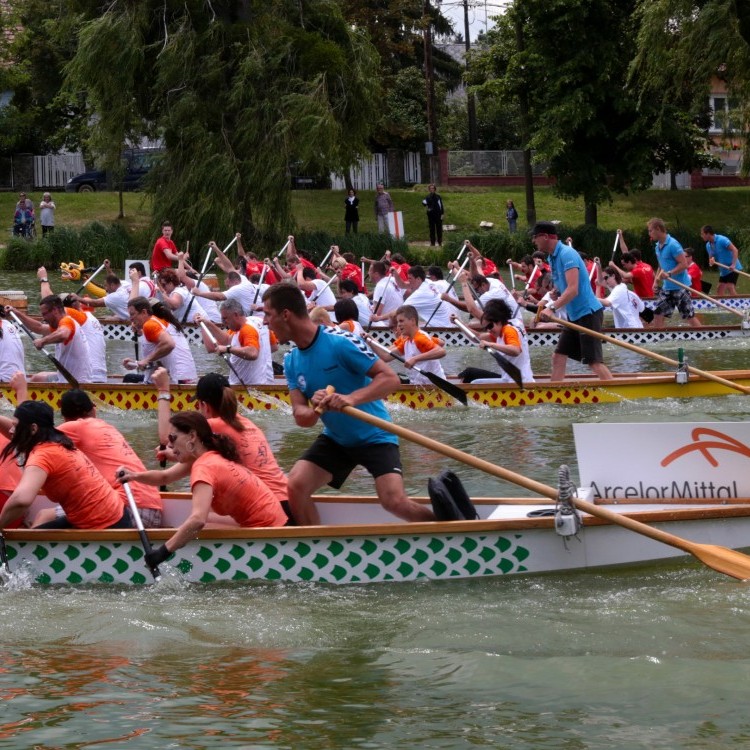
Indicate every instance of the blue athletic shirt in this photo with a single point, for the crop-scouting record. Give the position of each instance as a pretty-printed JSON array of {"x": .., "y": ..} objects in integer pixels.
[
  {"x": 667, "y": 257},
  {"x": 564, "y": 258},
  {"x": 340, "y": 359},
  {"x": 720, "y": 252}
]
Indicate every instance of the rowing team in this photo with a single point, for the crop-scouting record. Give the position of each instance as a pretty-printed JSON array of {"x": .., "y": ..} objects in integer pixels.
[{"x": 234, "y": 477}]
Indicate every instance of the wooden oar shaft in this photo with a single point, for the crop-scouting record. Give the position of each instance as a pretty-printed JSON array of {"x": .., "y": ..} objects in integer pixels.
[
  {"x": 653, "y": 355},
  {"x": 708, "y": 297},
  {"x": 454, "y": 453},
  {"x": 729, "y": 268}
]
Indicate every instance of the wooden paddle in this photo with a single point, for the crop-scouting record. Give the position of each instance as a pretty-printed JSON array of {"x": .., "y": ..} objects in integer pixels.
[
  {"x": 506, "y": 365},
  {"x": 708, "y": 297},
  {"x": 721, "y": 559},
  {"x": 450, "y": 388},
  {"x": 646, "y": 353},
  {"x": 145, "y": 541},
  {"x": 712, "y": 262},
  {"x": 55, "y": 361}
]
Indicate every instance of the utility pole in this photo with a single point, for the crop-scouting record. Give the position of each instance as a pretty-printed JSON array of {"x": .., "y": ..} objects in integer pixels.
[
  {"x": 432, "y": 132},
  {"x": 470, "y": 103}
]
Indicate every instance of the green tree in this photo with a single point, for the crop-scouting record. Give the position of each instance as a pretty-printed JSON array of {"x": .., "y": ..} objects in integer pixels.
[
  {"x": 682, "y": 45},
  {"x": 238, "y": 91},
  {"x": 39, "y": 118}
]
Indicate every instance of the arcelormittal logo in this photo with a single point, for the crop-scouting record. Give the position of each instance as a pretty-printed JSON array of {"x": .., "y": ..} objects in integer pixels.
[{"x": 706, "y": 441}]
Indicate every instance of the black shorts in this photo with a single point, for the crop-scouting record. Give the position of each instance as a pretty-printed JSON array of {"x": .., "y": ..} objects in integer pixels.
[
  {"x": 339, "y": 461},
  {"x": 730, "y": 278},
  {"x": 579, "y": 346}
]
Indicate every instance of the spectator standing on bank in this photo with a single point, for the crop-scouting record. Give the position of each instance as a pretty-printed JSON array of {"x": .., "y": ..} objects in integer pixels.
[
  {"x": 511, "y": 216},
  {"x": 383, "y": 207},
  {"x": 47, "y": 214},
  {"x": 351, "y": 212},
  {"x": 435, "y": 211}
]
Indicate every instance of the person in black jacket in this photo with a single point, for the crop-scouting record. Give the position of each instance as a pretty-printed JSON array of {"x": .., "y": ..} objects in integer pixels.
[
  {"x": 435, "y": 211},
  {"x": 351, "y": 212}
]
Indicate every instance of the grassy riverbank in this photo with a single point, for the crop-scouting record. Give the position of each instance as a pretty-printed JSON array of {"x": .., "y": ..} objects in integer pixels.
[{"x": 465, "y": 208}]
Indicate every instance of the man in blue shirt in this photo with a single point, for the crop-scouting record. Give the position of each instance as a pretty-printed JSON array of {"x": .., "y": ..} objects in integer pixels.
[
  {"x": 673, "y": 264},
  {"x": 583, "y": 308},
  {"x": 332, "y": 357},
  {"x": 721, "y": 250}
]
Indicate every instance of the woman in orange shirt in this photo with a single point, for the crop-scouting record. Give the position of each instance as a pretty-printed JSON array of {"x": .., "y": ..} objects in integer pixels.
[
  {"x": 218, "y": 482},
  {"x": 54, "y": 467}
]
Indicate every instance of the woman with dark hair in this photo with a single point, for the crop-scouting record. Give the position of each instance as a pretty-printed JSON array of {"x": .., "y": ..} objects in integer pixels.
[
  {"x": 218, "y": 483},
  {"x": 176, "y": 296},
  {"x": 161, "y": 340},
  {"x": 217, "y": 402},
  {"x": 54, "y": 467}
]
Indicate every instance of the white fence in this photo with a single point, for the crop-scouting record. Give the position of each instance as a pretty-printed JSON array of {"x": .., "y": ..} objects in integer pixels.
[
  {"x": 55, "y": 170},
  {"x": 369, "y": 172}
]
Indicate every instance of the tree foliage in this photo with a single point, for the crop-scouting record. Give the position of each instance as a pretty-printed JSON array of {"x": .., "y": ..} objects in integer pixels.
[
  {"x": 682, "y": 45},
  {"x": 239, "y": 91}
]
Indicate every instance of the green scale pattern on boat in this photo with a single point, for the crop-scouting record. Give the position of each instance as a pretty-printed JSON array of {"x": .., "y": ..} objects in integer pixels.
[{"x": 328, "y": 560}]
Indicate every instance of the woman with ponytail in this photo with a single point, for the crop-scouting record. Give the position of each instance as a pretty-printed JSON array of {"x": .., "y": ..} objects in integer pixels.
[{"x": 224, "y": 492}]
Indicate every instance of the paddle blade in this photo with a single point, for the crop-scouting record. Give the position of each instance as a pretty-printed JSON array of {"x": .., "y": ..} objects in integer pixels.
[
  {"x": 724, "y": 560},
  {"x": 450, "y": 388},
  {"x": 508, "y": 367}
]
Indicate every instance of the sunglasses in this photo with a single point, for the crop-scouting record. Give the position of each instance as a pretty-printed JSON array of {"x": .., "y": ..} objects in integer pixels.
[{"x": 490, "y": 324}]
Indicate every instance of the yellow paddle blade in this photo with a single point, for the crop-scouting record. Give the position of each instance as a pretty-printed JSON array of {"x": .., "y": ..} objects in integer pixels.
[{"x": 727, "y": 561}]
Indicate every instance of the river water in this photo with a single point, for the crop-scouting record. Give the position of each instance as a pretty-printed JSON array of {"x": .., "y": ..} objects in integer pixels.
[{"x": 648, "y": 657}]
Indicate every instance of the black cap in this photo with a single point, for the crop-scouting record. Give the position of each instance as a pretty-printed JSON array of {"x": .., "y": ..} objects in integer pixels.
[
  {"x": 35, "y": 412},
  {"x": 544, "y": 227},
  {"x": 210, "y": 388},
  {"x": 75, "y": 404}
]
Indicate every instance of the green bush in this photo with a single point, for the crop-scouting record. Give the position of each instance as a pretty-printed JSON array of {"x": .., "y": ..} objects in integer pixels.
[{"x": 91, "y": 244}]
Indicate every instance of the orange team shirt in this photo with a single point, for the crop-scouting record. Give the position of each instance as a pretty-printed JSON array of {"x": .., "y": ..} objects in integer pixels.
[
  {"x": 248, "y": 336},
  {"x": 255, "y": 453},
  {"x": 346, "y": 325},
  {"x": 77, "y": 315},
  {"x": 68, "y": 323},
  {"x": 237, "y": 492},
  {"x": 152, "y": 330},
  {"x": 421, "y": 340},
  {"x": 108, "y": 450},
  {"x": 88, "y": 500},
  {"x": 10, "y": 476},
  {"x": 510, "y": 335}
]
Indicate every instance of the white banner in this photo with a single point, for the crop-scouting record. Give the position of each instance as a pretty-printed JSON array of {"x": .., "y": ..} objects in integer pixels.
[
  {"x": 690, "y": 460},
  {"x": 396, "y": 224}
]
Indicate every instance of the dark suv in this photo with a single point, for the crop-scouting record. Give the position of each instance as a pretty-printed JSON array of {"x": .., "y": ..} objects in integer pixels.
[{"x": 137, "y": 162}]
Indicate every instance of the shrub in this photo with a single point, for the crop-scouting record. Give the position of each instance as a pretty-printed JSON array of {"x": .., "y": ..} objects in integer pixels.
[{"x": 91, "y": 244}]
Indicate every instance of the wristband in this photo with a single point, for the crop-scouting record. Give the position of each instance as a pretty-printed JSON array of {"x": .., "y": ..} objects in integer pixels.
[
  {"x": 44, "y": 281},
  {"x": 164, "y": 396}
]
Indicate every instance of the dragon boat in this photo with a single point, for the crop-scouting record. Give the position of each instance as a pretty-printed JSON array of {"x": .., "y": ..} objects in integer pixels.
[
  {"x": 690, "y": 486},
  {"x": 581, "y": 390},
  {"x": 359, "y": 542},
  {"x": 117, "y": 330}
]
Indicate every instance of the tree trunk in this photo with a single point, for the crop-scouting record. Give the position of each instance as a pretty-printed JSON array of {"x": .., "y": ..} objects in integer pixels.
[
  {"x": 672, "y": 180},
  {"x": 348, "y": 181},
  {"x": 121, "y": 215},
  {"x": 591, "y": 214},
  {"x": 523, "y": 107}
]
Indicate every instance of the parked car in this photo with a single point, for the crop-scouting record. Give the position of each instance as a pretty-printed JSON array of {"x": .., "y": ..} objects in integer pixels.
[{"x": 137, "y": 163}]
